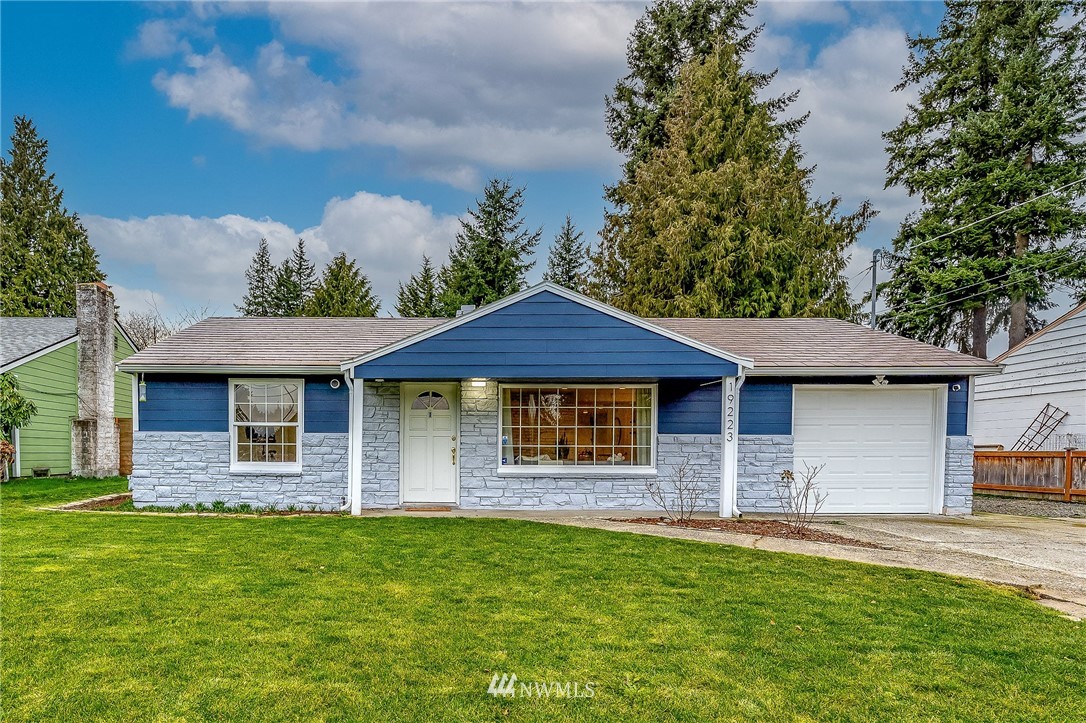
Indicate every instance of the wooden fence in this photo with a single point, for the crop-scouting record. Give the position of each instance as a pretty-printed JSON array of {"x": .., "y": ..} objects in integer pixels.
[
  {"x": 124, "y": 442},
  {"x": 1048, "y": 473}
]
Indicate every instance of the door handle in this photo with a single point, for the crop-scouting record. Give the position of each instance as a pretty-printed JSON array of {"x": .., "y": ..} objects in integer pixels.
[{"x": 454, "y": 455}]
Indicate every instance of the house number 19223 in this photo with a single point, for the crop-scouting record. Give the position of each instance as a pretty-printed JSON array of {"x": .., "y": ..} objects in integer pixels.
[{"x": 729, "y": 412}]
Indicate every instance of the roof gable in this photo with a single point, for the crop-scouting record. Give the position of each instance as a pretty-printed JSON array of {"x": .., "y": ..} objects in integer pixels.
[
  {"x": 1079, "y": 310},
  {"x": 547, "y": 332},
  {"x": 23, "y": 337}
]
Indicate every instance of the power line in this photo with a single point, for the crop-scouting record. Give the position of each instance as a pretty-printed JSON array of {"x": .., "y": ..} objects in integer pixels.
[
  {"x": 1024, "y": 267},
  {"x": 971, "y": 296},
  {"x": 997, "y": 214}
]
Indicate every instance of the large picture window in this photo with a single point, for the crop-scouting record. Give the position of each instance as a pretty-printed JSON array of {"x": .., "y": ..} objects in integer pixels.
[
  {"x": 577, "y": 426},
  {"x": 266, "y": 424}
]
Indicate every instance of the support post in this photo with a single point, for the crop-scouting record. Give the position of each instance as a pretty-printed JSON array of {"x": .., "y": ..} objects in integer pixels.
[
  {"x": 729, "y": 442},
  {"x": 1068, "y": 472},
  {"x": 357, "y": 425},
  {"x": 874, "y": 283}
]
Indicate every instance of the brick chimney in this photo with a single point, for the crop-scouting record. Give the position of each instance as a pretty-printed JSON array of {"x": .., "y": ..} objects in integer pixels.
[{"x": 95, "y": 451}]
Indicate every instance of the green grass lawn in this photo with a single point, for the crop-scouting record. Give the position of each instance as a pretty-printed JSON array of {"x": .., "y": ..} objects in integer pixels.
[{"x": 137, "y": 617}]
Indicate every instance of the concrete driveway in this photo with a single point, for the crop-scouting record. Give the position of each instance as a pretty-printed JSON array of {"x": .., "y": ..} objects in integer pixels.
[{"x": 1047, "y": 556}]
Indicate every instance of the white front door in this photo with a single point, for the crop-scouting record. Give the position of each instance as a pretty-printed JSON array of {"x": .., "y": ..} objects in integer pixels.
[
  {"x": 878, "y": 445},
  {"x": 429, "y": 421}
]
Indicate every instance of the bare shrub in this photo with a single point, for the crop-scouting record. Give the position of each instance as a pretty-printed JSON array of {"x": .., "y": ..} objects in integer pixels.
[
  {"x": 680, "y": 493},
  {"x": 800, "y": 498},
  {"x": 150, "y": 327}
]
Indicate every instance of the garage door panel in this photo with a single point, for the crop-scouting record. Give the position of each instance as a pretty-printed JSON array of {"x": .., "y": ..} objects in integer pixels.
[{"x": 877, "y": 445}]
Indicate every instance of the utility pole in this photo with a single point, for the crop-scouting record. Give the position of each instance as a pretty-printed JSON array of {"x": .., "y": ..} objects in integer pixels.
[{"x": 874, "y": 282}]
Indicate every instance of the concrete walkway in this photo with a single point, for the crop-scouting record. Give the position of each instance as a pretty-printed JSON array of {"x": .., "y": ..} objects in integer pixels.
[{"x": 1045, "y": 556}]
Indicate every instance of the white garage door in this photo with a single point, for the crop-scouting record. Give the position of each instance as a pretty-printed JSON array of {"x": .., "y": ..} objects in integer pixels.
[{"x": 877, "y": 444}]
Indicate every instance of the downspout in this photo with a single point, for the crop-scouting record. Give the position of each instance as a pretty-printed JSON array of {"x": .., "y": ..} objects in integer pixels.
[{"x": 350, "y": 441}]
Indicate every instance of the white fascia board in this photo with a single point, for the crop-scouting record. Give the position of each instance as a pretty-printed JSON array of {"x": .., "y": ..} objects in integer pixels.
[
  {"x": 39, "y": 353},
  {"x": 127, "y": 338},
  {"x": 224, "y": 369},
  {"x": 864, "y": 371},
  {"x": 557, "y": 291}
]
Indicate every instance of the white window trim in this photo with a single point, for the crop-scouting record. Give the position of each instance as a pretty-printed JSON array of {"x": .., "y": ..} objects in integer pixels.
[
  {"x": 575, "y": 470},
  {"x": 264, "y": 467}
]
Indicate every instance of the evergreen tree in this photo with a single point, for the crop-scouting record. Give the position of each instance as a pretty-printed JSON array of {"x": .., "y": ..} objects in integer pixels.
[
  {"x": 719, "y": 222},
  {"x": 343, "y": 291},
  {"x": 670, "y": 34},
  {"x": 45, "y": 250},
  {"x": 260, "y": 278},
  {"x": 295, "y": 281},
  {"x": 999, "y": 121},
  {"x": 488, "y": 260},
  {"x": 567, "y": 257},
  {"x": 421, "y": 295}
]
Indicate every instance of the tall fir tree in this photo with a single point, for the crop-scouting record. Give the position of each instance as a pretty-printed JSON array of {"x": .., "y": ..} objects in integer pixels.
[
  {"x": 421, "y": 295},
  {"x": 260, "y": 280},
  {"x": 295, "y": 281},
  {"x": 567, "y": 258},
  {"x": 719, "y": 222},
  {"x": 670, "y": 34},
  {"x": 492, "y": 250},
  {"x": 45, "y": 249},
  {"x": 343, "y": 291},
  {"x": 1000, "y": 120}
]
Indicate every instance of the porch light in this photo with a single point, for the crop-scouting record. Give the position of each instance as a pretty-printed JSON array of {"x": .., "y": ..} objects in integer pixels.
[
  {"x": 478, "y": 382},
  {"x": 143, "y": 389}
]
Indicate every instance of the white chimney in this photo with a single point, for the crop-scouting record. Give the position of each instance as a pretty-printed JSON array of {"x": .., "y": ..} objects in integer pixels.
[{"x": 95, "y": 451}]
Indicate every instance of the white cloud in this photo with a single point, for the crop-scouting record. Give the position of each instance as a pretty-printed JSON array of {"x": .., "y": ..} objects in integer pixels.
[
  {"x": 452, "y": 87},
  {"x": 804, "y": 11},
  {"x": 197, "y": 262}
]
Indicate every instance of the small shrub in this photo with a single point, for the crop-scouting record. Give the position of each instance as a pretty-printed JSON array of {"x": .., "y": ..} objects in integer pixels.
[
  {"x": 186, "y": 507},
  {"x": 244, "y": 508},
  {"x": 218, "y": 506},
  {"x": 292, "y": 508},
  {"x": 800, "y": 498},
  {"x": 680, "y": 493},
  {"x": 200, "y": 507}
]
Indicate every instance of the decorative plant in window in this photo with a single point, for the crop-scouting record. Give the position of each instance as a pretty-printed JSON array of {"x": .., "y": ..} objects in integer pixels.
[{"x": 800, "y": 498}]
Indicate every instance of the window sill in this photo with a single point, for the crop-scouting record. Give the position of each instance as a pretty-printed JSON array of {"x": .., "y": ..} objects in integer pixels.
[
  {"x": 541, "y": 470},
  {"x": 290, "y": 470}
]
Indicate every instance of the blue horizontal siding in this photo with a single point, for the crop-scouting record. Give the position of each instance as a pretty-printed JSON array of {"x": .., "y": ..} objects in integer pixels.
[
  {"x": 185, "y": 404},
  {"x": 201, "y": 403},
  {"x": 689, "y": 408},
  {"x": 325, "y": 409},
  {"x": 765, "y": 403},
  {"x": 765, "y": 407},
  {"x": 547, "y": 337},
  {"x": 957, "y": 408}
]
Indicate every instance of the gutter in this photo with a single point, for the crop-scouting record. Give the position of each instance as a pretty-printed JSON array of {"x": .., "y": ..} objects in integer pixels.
[{"x": 350, "y": 442}]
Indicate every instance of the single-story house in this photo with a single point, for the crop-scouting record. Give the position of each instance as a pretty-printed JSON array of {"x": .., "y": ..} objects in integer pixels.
[
  {"x": 67, "y": 368},
  {"x": 1039, "y": 401},
  {"x": 548, "y": 399}
]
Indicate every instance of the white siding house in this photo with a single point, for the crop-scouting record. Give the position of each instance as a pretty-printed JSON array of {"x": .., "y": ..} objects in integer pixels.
[{"x": 1047, "y": 368}]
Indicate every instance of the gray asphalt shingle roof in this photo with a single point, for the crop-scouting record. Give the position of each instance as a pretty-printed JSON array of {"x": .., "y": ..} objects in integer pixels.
[
  {"x": 22, "y": 336},
  {"x": 320, "y": 342},
  {"x": 817, "y": 343}
]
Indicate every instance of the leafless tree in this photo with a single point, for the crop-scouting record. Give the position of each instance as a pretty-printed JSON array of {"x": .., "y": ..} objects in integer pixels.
[
  {"x": 151, "y": 326},
  {"x": 680, "y": 493},
  {"x": 800, "y": 498}
]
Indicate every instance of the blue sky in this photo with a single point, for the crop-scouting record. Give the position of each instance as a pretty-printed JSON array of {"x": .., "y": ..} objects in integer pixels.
[{"x": 183, "y": 133}]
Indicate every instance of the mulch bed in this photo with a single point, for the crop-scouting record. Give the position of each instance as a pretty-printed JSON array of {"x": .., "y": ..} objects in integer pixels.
[{"x": 761, "y": 528}]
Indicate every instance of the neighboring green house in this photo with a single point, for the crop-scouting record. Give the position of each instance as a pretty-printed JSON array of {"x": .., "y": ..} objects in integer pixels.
[{"x": 43, "y": 353}]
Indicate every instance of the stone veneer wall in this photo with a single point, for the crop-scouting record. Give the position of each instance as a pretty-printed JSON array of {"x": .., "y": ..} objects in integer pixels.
[
  {"x": 958, "y": 476},
  {"x": 381, "y": 445},
  {"x": 482, "y": 486},
  {"x": 762, "y": 458},
  {"x": 175, "y": 468}
]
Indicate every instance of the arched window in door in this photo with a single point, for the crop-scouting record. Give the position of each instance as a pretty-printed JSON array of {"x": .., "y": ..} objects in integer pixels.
[{"x": 430, "y": 400}]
